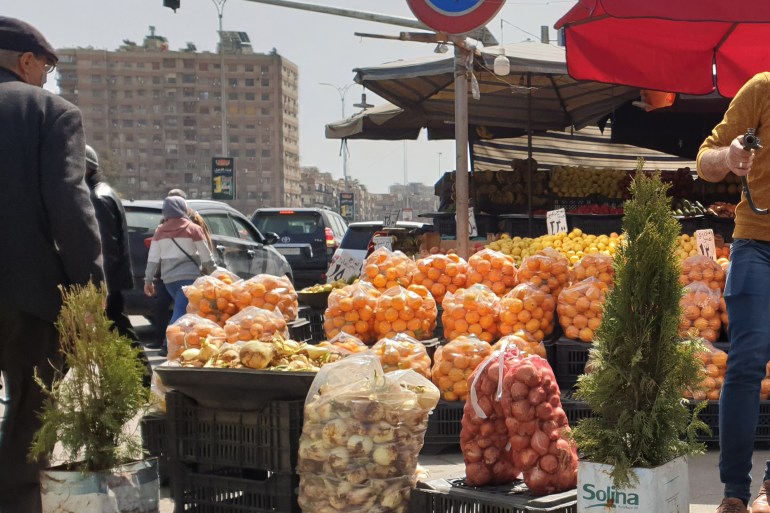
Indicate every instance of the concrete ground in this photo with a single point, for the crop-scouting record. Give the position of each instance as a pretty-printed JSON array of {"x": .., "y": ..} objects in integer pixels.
[{"x": 705, "y": 488}]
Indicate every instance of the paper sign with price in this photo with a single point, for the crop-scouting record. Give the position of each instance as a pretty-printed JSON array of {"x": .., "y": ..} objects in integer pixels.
[
  {"x": 390, "y": 219},
  {"x": 705, "y": 241},
  {"x": 343, "y": 268},
  {"x": 472, "y": 228},
  {"x": 556, "y": 221},
  {"x": 383, "y": 241}
]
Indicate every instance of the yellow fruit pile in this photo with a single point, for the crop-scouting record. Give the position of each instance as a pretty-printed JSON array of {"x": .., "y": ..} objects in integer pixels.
[{"x": 573, "y": 245}]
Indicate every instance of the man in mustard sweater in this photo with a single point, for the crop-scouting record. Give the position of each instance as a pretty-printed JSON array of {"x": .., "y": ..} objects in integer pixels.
[{"x": 747, "y": 292}]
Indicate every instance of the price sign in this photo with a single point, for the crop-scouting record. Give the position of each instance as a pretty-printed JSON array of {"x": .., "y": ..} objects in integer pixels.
[
  {"x": 705, "y": 241},
  {"x": 556, "y": 221},
  {"x": 407, "y": 214},
  {"x": 472, "y": 228},
  {"x": 390, "y": 219},
  {"x": 383, "y": 241},
  {"x": 343, "y": 267}
]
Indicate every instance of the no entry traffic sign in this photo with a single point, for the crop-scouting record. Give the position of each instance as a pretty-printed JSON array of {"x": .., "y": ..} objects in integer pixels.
[{"x": 455, "y": 16}]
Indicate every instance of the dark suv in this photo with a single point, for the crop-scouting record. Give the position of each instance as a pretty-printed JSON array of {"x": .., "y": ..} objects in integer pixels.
[
  {"x": 307, "y": 237},
  {"x": 238, "y": 245}
]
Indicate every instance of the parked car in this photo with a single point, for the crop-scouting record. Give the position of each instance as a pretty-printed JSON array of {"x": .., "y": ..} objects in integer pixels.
[
  {"x": 359, "y": 240},
  {"x": 307, "y": 237},
  {"x": 238, "y": 245}
]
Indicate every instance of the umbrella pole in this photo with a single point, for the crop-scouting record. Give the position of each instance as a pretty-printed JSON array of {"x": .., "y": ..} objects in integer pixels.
[{"x": 461, "y": 148}]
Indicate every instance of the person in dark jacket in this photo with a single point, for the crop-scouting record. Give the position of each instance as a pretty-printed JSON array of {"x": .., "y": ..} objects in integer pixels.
[
  {"x": 51, "y": 239},
  {"x": 114, "y": 234}
]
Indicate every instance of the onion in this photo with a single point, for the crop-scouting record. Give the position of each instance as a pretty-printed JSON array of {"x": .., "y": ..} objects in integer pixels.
[
  {"x": 544, "y": 411},
  {"x": 528, "y": 428},
  {"x": 536, "y": 396},
  {"x": 472, "y": 452},
  {"x": 485, "y": 403},
  {"x": 538, "y": 482},
  {"x": 549, "y": 463},
  {"x": 522, "y": 410},
  {"x": 493, "y": 371},
  {"x": 491, "y": 455},
  {"x": 484, "y": 442},
  {"x": 487, "y": 429},
  {"x": 551, "y": 429},
  {"x": 486, "y": 386},
  {"x": 512, "y": 425},
  {"x": 519, "y": 442},
  {"x": 504, "y": 471},
  {"x": 540, "y": 442},
  {"x": 528, "y": 458},
  {"x": 519, "y": 391},
  {"x": 500, "y": 426},
  {"x": 559, "y": 416},
  {"x": 477, "y": 474}
]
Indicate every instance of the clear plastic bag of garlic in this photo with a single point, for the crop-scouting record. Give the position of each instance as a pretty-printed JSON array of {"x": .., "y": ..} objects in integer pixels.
[{"x": 363, "y": 432}]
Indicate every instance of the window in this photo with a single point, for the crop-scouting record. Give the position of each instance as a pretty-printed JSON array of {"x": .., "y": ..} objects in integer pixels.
[
  {"x": 245, "y": 232},
  {"x": 232, "y": 96},
  {"x": 249, "y": 68},
  {"x": 155, "y": 65},
  {"x": 265, "y": 97},
  {"x": 233, "y": 82},
  {"x": 188, "y": 178},
  {"x": 265, "y": 154},
  {"x": 169, "y": 63},
  {"x": 264, "y": 69},
  {"x": 265, "y": 82},
  {"x": 188, "y": 79},
  {"x": 249, "y": 82},
  {"x": 220, "y": 224},
  {"x": 265, "y": 111},
  {"x": 204, "y": 66}
]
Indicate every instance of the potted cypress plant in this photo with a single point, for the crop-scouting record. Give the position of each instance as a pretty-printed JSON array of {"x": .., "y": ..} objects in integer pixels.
[
  {"x": 633, "y": 449},
  {"x": 89, "y": 412}
]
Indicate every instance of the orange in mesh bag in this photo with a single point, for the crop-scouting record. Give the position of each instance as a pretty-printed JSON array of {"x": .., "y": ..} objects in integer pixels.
[
  {"x": 702, "y": 268},
  {"x": 472, "y": 311},
  {"x": 345, "y": 341},
  {"x": 403, "y": 352},
  {"x": 700, "y": 312},
  {"x": 268, "y": 292},
  {"x": 441, "y": 274},
  {"x": 385, "y": 269},
  {"x": 454, "y": 363},
  {"x": 188, "y": 332},
  {"x": 523, "y": 343},
  {"x": 580, "y": 308},
  {"x": 714, "y": 367},
  {"x": 597, "y": 265},
  {"x": 527, "y": 309},
  {"x": 211, "y": 298},
  {"x": 547, "y": 270},
  {"x": 254, "y": 323},
  {"x": 351, "y": 310},
  {"x": 412, "y": 311},
  {"x": 493, "y": 269}
]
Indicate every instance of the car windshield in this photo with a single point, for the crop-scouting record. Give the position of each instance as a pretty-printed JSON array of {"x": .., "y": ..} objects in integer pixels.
[
  {"x": 288, "y": 222},
  {"x": 358, "y": 237},
  {"x": 142, "y": 220}
]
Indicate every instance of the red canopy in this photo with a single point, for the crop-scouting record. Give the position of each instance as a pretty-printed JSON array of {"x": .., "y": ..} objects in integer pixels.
[{"x": 668, "y": 45}]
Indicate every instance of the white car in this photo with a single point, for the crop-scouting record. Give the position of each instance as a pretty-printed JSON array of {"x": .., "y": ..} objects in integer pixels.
[{"x": 359, "y": 241}]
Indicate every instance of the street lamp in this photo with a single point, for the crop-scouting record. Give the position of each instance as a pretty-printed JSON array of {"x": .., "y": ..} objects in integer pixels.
[
  {"x": 220, "y": 6},
  {"x": 342, "y": 91}
]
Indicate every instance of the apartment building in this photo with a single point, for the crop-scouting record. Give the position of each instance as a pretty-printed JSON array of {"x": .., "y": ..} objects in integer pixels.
[{"x": 155, "y": 116}]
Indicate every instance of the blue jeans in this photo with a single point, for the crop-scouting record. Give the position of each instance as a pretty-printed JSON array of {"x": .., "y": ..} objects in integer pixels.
[
  {"x": 747, "y": 296},
  {"x": 180, "y": 300}
]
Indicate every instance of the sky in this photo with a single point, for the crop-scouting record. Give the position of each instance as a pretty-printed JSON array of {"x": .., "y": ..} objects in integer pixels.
[{"x": 323, "y": 46}]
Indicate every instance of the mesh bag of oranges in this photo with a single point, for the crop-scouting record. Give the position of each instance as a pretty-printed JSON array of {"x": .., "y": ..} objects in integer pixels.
[
  {"x": 723, "y": 313},
  {"x": 441, "y": 274},
  {"x": 412, "y": 311},
  {"x": 528, "y": 309},
  {"x": 188, "y": 331},
  {"x": 346, "y": 341},
  {"x": 598, "y": 265},
  {"x": 523, "y": 342},
  {"x": 455, "y": 362},
  {"x": 702, "y": 268},
  {"x": 351, "y": 310},
  {"x": 403, "y": 352},
  {"x": 700, "y": 312},
  {"x": 225, "y": 276},
  {"x": 714, "y": 367},
  {"x": 764, "y": 392},
  {"x": 254, "y": 323},
  {"x": 385, "y": 269},
  {"x": 471, "y": 311},
  {"x": 211, "y": 298},
  {"x": 547, "y": 270},
  {"x": 492, "y": 269},
  {"x": 580, "y": 308},
  {"x": 268, "y": 292}
]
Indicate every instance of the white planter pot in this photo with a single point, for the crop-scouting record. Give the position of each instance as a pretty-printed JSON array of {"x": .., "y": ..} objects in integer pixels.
[
  {"x": 663, "y": 489},
  {"x": 133, "y": 487}
]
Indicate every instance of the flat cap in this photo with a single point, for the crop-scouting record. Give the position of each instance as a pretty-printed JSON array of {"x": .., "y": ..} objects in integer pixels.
[{"x": 22, "y": 37}]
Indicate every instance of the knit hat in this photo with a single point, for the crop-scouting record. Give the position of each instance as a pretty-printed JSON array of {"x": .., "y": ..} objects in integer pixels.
[
  {"x": 19, "y": 36},
  {"x": 174, "y": 207}
]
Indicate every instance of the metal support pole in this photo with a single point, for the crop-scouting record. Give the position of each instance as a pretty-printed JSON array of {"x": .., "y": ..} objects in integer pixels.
[
  {"x": 220, "y": 5},
  {"x": 342, "y": 91},
  {"x": 462, "y": 55},
  {"x": 529, "y": 152}
]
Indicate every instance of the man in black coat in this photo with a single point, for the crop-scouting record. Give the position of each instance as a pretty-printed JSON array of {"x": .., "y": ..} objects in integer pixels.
[{"x": 50, "y": 238}]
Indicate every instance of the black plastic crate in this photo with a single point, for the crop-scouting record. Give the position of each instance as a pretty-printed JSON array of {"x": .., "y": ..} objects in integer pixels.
[
  {"x": 691, "y": 224},
  {"x": 723, "y": 226},
  {"x": 316, "y": 319},
  {"x": 490, "y": 499},
  {"x": 266, "y": 439},
  {"x": 518, "y": 225},
  {"x": 444, "y": 426},
  {"x": 300, "y": 331},
  {"x": 445, "y": 224},
  {"x": 571, "y": 358},
  {"x": 233, "y": 490},
  {"x": 575, "y": 410},
  {"x": 155, "y": 442},
  {"x": 485, "y": 223},
  {"x": 596, "y": 224},
  {"x": 571, "y": 203}
]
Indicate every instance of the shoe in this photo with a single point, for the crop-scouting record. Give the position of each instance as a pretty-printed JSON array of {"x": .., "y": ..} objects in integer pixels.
[
  {"x": 156, "y": 345},
  {"x": 732, "y": 505},
  {"x": 760, "y": 503},
  {"x": 163, "y": 352}
]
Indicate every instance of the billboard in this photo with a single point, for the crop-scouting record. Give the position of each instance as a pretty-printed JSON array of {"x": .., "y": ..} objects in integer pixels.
[
  {"x": 223, "y": 178},
  {"x": 348, "y": 206}
]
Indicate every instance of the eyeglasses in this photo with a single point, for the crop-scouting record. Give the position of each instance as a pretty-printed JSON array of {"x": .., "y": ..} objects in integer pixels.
[{"x": 48, "y": 67}]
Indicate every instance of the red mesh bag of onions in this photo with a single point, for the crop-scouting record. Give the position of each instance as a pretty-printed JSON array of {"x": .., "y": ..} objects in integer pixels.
[
  {"x": 537, "y": 427},
  {"x": 484, "y": 435}
]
